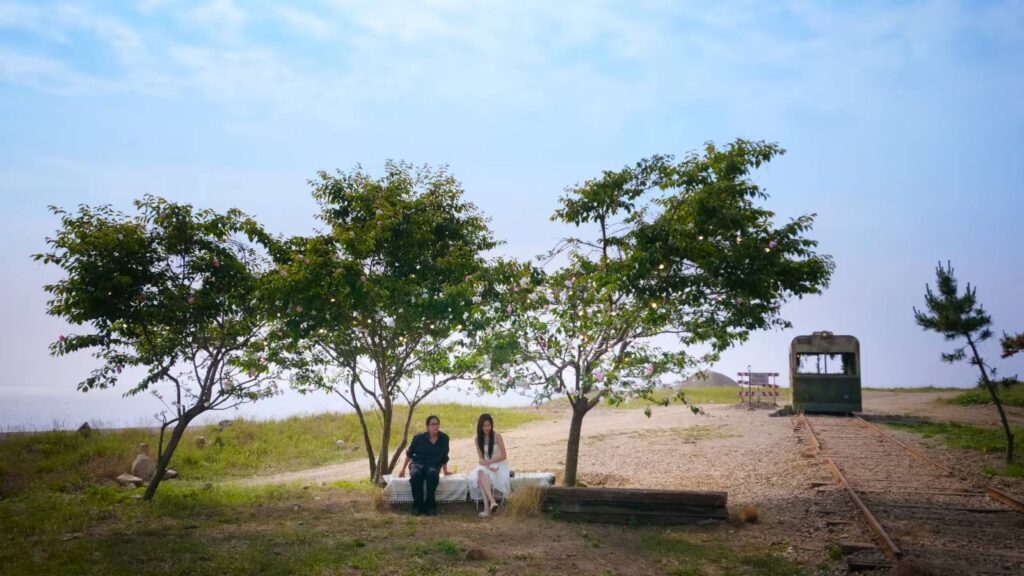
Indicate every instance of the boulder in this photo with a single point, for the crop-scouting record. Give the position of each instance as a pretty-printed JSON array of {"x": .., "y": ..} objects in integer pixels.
[
  {"x": 143, "y": 466},
  {"x": 170, "y": 474},
  {"x": 85, "y": 430},
  {"x": 201, "y": 441},
  {"x": 130, "y": 481},
  {"x": 339, "y": 444},
  {"x": 223, "y": 424}
]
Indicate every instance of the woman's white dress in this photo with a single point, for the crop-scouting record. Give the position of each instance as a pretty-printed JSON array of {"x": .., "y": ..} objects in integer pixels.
[{"x": 499, "y": 479}]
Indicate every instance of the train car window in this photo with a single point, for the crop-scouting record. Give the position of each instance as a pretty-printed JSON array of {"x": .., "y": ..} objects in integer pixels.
[{"x": 844, "y": 364}]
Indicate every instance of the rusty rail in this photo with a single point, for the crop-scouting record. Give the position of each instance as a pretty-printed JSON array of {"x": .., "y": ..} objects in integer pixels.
[
  {"x": 1004, "y": 498},
  {"x": 993, "y": 493},
  {"x": 889, "y": 548}
]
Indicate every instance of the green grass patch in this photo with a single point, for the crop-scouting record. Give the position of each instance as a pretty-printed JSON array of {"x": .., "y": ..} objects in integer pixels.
[
  {"x": 987, "y": 440},
  {"x": 1012, "y": 396},
  {"x": 686, "y": 553},
  {"x": 65, "y": 461}
]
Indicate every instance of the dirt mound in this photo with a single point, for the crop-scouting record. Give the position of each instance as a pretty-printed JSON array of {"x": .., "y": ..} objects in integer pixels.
[{"x": 710, "y": 379}]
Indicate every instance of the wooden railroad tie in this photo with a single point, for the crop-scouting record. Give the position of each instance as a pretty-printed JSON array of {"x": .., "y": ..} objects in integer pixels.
[{"x": 636, "y": 506}]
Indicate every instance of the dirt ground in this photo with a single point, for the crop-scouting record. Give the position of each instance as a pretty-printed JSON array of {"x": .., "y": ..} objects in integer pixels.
[{"x": 754, "y": 457}]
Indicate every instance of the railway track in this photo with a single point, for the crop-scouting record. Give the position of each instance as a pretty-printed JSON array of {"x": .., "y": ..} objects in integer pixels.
[{"x": 919, "y": 511}]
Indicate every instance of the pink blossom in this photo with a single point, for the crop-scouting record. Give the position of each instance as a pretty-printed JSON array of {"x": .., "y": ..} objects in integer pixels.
[
  {"x": 772, "y": 244},
  {"x": 649, "y": 369},
  {"x": 216, "y": 262},
  {"x": 599, "y": 375},
  {"x": 468, "y": 277},
  {"x": 62, "y": 338}
]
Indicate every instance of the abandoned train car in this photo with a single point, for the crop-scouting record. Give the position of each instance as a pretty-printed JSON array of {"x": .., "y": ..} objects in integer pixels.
[{"x": 824, "y": 373}]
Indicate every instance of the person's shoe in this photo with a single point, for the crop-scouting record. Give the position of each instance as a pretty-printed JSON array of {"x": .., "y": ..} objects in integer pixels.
[
  {"x": 417, "y": 512},
  {"x": 494, "y": 507},
  {"x": 431, "y": 512},
  {"x": 485, "y": 514}
]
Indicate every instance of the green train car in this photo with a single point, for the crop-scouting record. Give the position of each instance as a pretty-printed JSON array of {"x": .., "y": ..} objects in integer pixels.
[{"x": 824, "y": 373}]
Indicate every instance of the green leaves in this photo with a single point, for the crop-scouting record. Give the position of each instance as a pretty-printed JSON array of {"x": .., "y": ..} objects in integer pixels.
[
  {"x": 166, "y": 284},
  {"x": 681, "y": 249}
]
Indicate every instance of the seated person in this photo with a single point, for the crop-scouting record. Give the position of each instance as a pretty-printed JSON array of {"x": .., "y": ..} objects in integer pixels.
[
  {"x": 428, "y": 453},
  {"x": 492, "y": 473}
]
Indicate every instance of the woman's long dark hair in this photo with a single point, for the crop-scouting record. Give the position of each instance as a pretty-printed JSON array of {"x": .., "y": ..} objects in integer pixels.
[{"x": 489, "y": 453}]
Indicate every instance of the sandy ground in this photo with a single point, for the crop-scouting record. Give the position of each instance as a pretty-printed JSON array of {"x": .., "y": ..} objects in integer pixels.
[
  {"x": 745, "y": 452},
  {"x": 756, "y": 458},
  {"x": 926, "y": 405}
]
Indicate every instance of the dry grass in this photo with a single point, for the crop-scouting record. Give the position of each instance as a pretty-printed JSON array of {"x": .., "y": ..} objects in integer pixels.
[
  {"x": 747, "y": 515},
  {"x": 750, "y": 514},
  {"x": 525, "y": 502},
  {"x": 377, "y": 498}
]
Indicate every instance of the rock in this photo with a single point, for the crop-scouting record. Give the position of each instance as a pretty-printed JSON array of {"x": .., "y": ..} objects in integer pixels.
[
  {"x": 339, "y": 443},
  {"x": 85, "y": 430},
  {"x": 201, "y": 441},
  {"x": 143, "y": 466},
  {"x": 223, "y": 424},
  {"x": 170, "y": 474},
  {"x": 130, "y": 481}
]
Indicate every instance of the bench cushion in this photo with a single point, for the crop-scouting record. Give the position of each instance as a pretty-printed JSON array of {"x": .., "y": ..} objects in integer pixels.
[{"x": 451, "y": 488}]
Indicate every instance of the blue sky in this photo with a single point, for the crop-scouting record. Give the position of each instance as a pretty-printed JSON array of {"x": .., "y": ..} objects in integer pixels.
[{"x": 902, "y": 122}]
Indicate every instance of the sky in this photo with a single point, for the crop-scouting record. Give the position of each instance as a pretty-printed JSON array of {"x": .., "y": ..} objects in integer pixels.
[{"x": 901, "y": 121}]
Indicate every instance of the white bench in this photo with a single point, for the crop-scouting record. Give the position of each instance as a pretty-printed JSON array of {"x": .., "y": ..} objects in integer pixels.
[
  {"x": 455, "y": 487},
  {"x": 450, "y": 488},
  {"x": 517, "y": 481}
]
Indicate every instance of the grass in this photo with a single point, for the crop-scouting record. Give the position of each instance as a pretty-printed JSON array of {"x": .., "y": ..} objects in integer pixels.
[
  {"x": 229, "y": 530},
  {"x": 65, "y": 461},
  {"x": 986, "y": 440},
  {"x": 61, "y": 517},
  {"x": 1012, "y": 396},
  {"x": 687, "y": 553}
]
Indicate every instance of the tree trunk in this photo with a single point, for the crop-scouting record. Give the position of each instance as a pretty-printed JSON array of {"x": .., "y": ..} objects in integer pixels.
[
  {"x": 995, "y": 398},
  {"x": 385, "y": 441},
  {"x": 1006, "y": 424},
  {"x": 572, "y": 449},
  {"x": 365, "y": 429},
  {"x": 164, "y": 458},
  {"x": 405, "y": 438}
]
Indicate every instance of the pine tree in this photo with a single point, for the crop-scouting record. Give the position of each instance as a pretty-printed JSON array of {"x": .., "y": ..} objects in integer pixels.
[{"x": 955, "y": 317}]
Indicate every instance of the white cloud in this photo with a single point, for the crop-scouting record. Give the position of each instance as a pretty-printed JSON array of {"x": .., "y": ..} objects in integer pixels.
[
  {"x": 221, "y": 18},
  {"x": 306, "y": 23}
]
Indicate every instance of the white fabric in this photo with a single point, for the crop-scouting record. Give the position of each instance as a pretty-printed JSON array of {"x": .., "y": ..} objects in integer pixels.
[
  {"x": 521, "y": 479},
  {"x": 499, "y": 478},
  {"x": 451, "y": 488}
]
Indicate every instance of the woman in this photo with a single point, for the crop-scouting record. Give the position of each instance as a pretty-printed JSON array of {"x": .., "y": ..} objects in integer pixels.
[
  {"x": 492, "y": 473},
  {"x": 429, "y": 455}
]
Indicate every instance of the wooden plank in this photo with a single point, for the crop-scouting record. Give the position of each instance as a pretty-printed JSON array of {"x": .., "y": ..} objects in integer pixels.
[
  {"x": 638, "y": 495},
  {"x": 654, "y": 506},
  {"x": 637, "y": 519},
  {"x": 855, "y": 565}
]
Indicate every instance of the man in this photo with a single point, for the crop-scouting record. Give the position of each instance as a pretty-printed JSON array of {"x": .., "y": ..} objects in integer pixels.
[{"x": 428, "y": 453}]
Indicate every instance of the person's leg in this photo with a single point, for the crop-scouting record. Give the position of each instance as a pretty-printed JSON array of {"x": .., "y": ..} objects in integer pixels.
[
  {"x": 482, "y": 485},
  {"x": 432, "y": 477},
  {"x": 416, "y": 481},
  {"x": 487, "y": 490}
]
